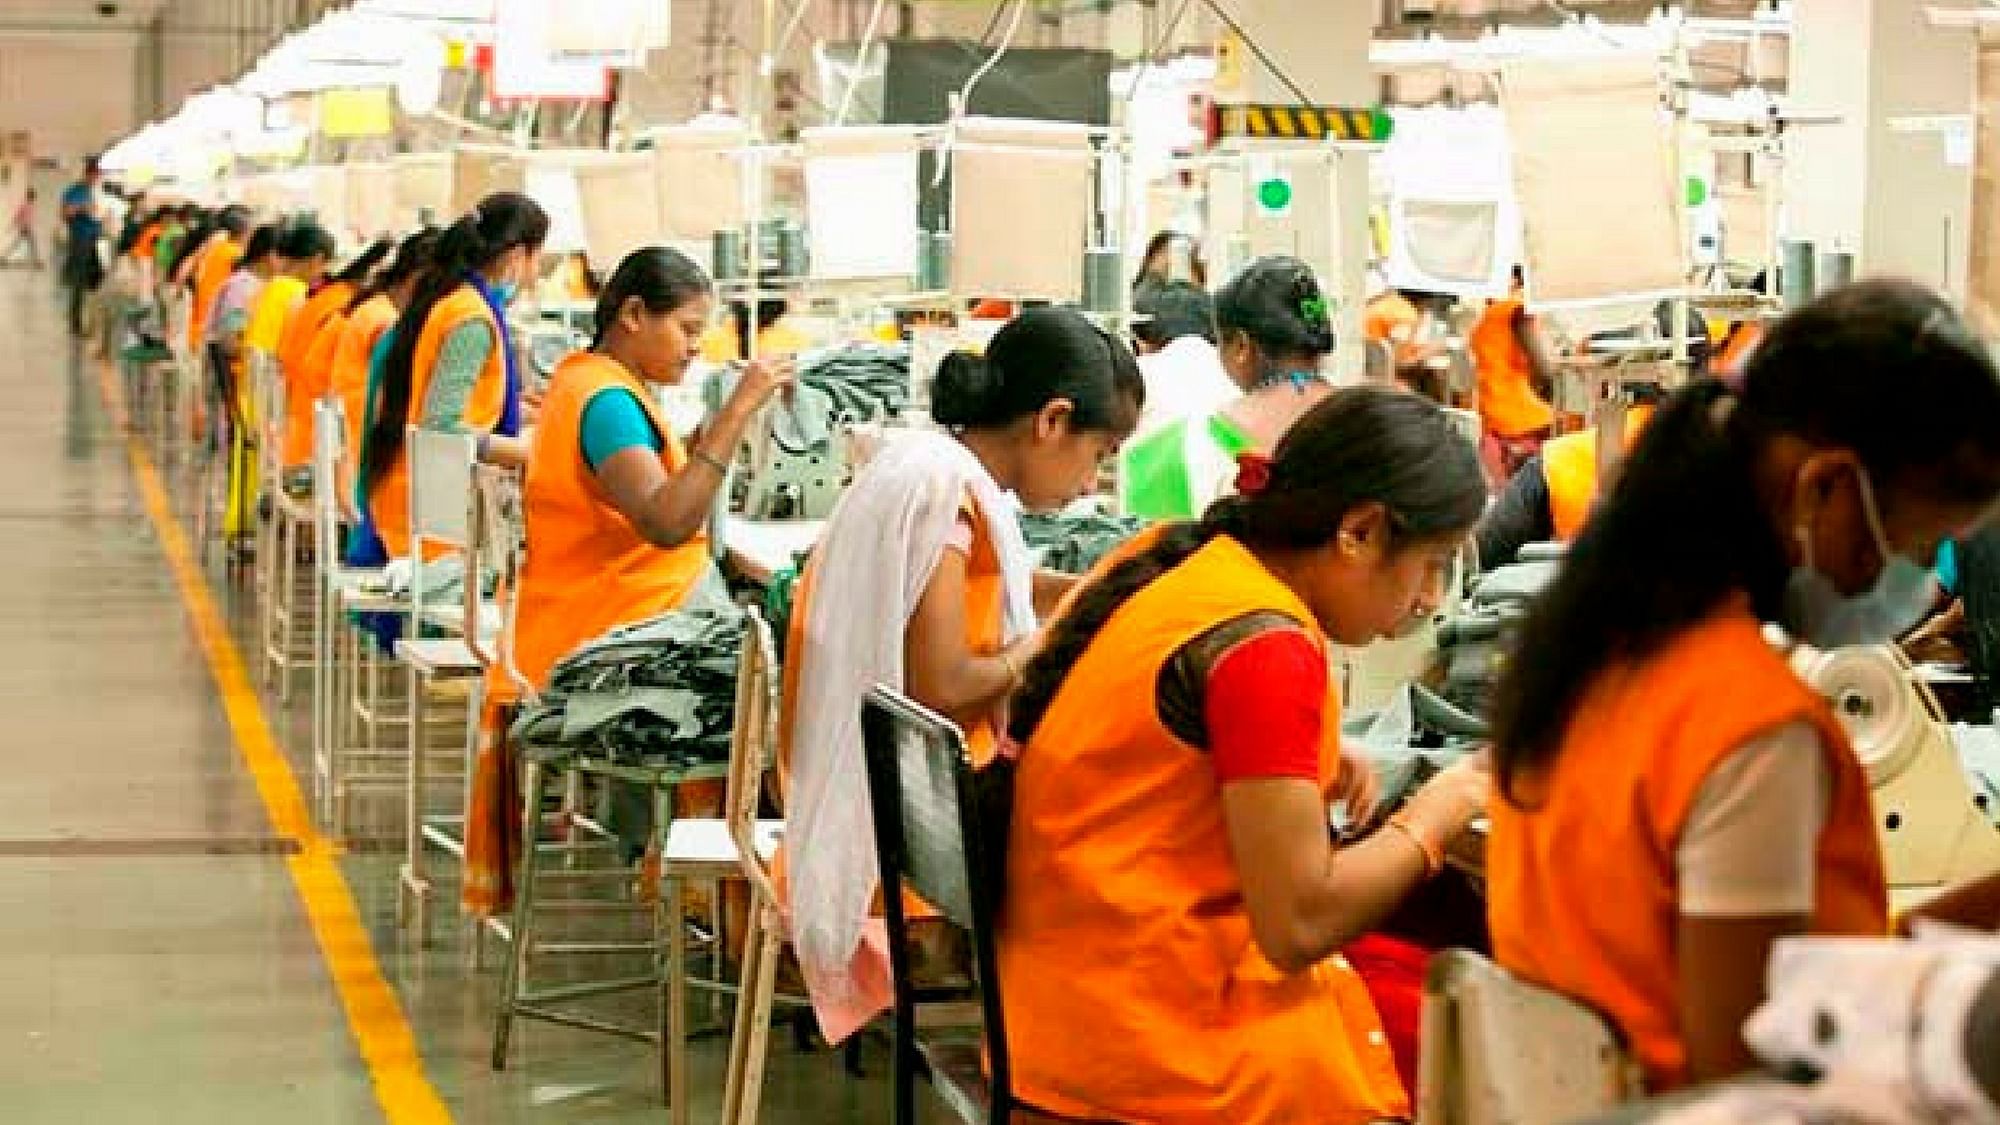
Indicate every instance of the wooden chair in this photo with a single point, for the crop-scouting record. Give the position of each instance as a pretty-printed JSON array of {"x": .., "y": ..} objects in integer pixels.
[{"x": 1500, "y": 1051}]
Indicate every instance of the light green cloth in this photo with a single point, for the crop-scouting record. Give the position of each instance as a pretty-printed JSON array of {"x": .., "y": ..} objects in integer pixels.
[
  {"x": 1178, "y": 470},
  {"x": 459, "y": 363}
]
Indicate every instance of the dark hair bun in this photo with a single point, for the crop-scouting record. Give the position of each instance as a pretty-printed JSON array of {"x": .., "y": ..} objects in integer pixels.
[{"x": 966, "y": 390}]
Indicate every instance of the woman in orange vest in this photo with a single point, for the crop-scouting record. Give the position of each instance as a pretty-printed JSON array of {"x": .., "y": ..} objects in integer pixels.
[
  {"x": 451, "y": 364},
  {"x": 1674, "y": 799},
  {"x": 361, "y": 330},
  {"x": 922, "y": 581},
  {"x": 305, "y": 359},
  {"x": 616, "y": 507},
  {"x": 1514, "y": 372},
  {"x": 1170, "y": 944},
  {"x": 213, "y": 262},
  {"x": 1549, "y": 498}
]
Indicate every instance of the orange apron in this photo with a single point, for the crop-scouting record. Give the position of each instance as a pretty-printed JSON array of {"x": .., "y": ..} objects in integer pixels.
[
  {"x": 389, "y": 499},
  {"x": 348, "y": 375},
  {"x": 1134, "y": 990},
  {"x": 1569, "y": 467},
  {"x": 305, "y": 384},
  {"x": 212, "y": 267},
  {"x": 1508, "y": 401},
  {"x": 1581, "y": 884}
]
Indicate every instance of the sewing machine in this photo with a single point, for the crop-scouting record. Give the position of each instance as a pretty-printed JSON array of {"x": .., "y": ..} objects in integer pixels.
[{"x": 1934, "y": 834}]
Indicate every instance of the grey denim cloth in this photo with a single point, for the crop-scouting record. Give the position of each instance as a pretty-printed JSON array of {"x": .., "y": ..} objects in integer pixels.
[{"x": 1073, "y": 543}]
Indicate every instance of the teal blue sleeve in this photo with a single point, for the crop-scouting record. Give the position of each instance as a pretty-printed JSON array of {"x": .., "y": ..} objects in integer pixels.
[
  {"x": 615, "y": 421},
  {"x": 1947, "y": 566}
]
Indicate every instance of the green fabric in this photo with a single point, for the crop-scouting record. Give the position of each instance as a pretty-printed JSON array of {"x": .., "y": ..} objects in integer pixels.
[
  {"x": 459, "y": 363},
  {"x": 1156, "y": 482},
  {"x": 167, "y": 247}
]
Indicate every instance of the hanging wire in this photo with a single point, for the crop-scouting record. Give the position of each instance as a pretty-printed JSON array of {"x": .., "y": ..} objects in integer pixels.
[
  {"x": 860, "y": 61},
  {"x": 1276, "y": 70}
]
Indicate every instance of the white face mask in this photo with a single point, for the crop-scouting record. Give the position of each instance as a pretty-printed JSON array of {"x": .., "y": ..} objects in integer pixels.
[{"x": 1817, "y": 613}]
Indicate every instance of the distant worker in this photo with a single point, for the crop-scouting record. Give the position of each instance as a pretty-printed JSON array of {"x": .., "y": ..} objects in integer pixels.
[
  {"x": 1515, "y": 375},
  {"x": 23, "y": 227},
  {"x": 1174, "y": 334},
  {"x": 83, "y": 270}
]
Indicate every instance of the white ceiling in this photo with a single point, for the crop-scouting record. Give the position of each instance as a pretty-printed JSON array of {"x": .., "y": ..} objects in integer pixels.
[{"x": 74, "y": 15}]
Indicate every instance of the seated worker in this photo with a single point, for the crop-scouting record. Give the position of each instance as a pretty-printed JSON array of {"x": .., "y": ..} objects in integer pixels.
[
  {"x": 1175, "y": 906},
  {"x": 208, "y": 261},
  {"x": 305, "y": 359},
  {"x": 1673, "y": 798},
  {"x": 929, "y": 540},
  {"x": 1392, "y": 319},
  {"x": 1514, "y": 371},
  {"x": 361, "y": 330},
  {"x": 451, "y": 364},
  {"x": 615, "y": 507},
  {"x": 728, "y": 342},
  {"x": 1174, "y": 330},
  {"x": 303, "y": 250},
  {"x": 228, "y": 393},
  {"x": 1554, "y": 491},
  {"x": 1275, "y": 330},
  {"x": 1170, "y": 257}
]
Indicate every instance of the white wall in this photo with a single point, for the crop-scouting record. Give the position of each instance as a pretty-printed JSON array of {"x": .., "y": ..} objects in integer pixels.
[{"x": 74, "y": 93}]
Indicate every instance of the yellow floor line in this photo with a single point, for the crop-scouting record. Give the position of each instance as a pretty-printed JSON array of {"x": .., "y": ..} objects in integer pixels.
[{"x": 383, "y": 1035}]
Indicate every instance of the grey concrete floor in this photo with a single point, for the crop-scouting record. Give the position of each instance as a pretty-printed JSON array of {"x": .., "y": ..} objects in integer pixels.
[{"x": 156, "y": 961}]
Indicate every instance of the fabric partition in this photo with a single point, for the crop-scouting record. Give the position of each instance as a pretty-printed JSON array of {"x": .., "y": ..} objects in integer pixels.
[
  {"x": 1453, "y": 226},
  {"x": 371, "y": 199},
  {"x": 549, "y": 178},
  {"x": 861, "y": 201},
  {"x": 700, "y": 177},
  {"x": 618, "y": 203},
  {"x": 1984, "y": 291},
  {"x": 422, "y": 182},
  {"x": 1594, "y": 175},
  {"x": 1020, "y": 202},
  {"x": 327, "y": 198},
  {"x": 478, "y": 171}
]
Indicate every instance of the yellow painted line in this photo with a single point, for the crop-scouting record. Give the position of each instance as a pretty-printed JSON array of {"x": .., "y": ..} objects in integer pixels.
[{"x": 383, "y": 1035}]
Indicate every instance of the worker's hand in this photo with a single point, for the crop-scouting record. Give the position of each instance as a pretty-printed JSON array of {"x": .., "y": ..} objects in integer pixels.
[
  {"x": 1359, "y": 787},
  {"x": 760, "y": 379},
  {"x": 1452, "y": 800}
]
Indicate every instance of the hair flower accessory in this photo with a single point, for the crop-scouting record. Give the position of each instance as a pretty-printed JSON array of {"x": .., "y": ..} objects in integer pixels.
[{"x": 1253, "y": 473}]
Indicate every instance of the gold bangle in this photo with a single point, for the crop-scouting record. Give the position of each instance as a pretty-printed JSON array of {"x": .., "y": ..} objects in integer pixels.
[
  {"x": 711, "y": 460},
  {"x": 1013, "y": 669},
  {"x": 1433, "y": 857}
]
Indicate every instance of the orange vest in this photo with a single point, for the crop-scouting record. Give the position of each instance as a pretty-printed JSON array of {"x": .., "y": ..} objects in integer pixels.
[
  {"x": 1569, "y": 466},
  {"x": 349, "y": 374},
  {"x": 1133, "y": 988},
  {"x": 213, "y": 266},
  {"x": 1737, "y": 346},
  {"x": 1508, "y": 400},
  {"x": 389, "y": 500},
  {"x": 305, "y": 383},
  {"x": 1581, "y": 884},
  {"x": 587, "y": 569}
]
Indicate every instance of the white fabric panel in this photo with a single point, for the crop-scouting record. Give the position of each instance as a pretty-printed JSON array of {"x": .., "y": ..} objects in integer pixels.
[
  {"x": 861, "y": 201},
  {"x": 620, "y": 205},
  {"x": 422, "y": 183},
  {"x": 1594, "y": 175},
  {"x": 478, "y": 171},
  {"x": 371, "y": 199},
  {"x": 549, "y": 178},
  {"x": 1453, "y": 224},
  {"x": 700, "y": 177},
  {"x": 328, "y": 200},
  {"x": 1020, "y": 201}
]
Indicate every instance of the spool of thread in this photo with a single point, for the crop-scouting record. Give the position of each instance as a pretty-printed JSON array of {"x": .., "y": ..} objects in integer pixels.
[
  {"x": 792, "y": 255},
  {"x": 1101, "y": 281},
  {"x": 1796, "y": 280},
  {"x": 1836, "y": 268},
  {"x": 934, "y": 261},
  {"x": 727, "y": 251}
]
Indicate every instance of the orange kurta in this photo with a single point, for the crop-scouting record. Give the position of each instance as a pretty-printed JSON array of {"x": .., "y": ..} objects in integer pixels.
[
  {"x": 348, "y": 376},
  {"x": 389, "y": 499},
  {"x": 1581, "y": 884},
  {"x": 1508, "y": 401},
  {"x": 1569, "y": 466},
  {"x": 213, "y": 265},
  {"x": 305, "y": 370},
  {"x": 587, "y": 569},
  {"x": 1134, "y": 990}
]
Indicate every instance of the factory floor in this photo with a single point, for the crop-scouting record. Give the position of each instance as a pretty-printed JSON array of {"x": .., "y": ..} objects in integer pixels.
[{"x": 182, "y": 941}]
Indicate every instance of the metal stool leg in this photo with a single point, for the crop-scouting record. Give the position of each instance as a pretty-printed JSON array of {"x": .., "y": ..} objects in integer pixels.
[{"x": 534, "y": 776}]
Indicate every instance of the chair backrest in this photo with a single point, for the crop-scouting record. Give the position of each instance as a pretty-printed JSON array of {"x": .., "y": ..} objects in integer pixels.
[
  {"x": 1500, "y": 1051},
  {"x": 440, "y": 499},
  {"x": 752, "y": 745},
  {"x": 267, "y": 408},
  {"x": 939, "y": 829},
  {"x": 494, "y": 547},
  {"x": 329, "y": 438}
]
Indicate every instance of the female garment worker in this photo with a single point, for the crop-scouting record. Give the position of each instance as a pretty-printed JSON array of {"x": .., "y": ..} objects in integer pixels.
[
  {"x": 226, "y": 326},
  {"x": 305, "y": 351},
  {"x": 1550, "y": 497},
  {"x": 1514, "y": 372},
  {"x": 451, "y": 364},
  {"x": 1673, "y": 798},
  {"x": 615, "y": 506},
  {"x": 1275, "y": 330},
  {"x": 922, "y": 581},
  {"x": 359, "y": 331},
  {"x": 1175, "y": 905}
]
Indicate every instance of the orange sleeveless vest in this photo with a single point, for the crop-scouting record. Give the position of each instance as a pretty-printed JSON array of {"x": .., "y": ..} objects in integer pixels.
[
  {"x": 1133, "y": 988},
  {"x": 1569, "y": 466},
  {"x": 1581, "y": 884},
  {"x": 305, "y": 382},
  {"x": 389, "y": 500},
  {"x": 348, "y": 375},
  {"x": 588, "y": 570},
  {"x": 1508, "y": 400},
  {"x": 213, "y": 265}
]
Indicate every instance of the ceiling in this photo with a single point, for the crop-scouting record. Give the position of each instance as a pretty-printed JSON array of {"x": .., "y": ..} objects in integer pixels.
[{"x": 76, "y": 15}]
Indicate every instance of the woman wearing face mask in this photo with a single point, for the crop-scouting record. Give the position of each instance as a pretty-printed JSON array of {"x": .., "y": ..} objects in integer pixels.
[
  {"x": 922, "y": 582},
  {"x": 1275, "y": 331},
  {"x": 616, "y": 507},
  {"x": 1675, "y": 798},
  {"x": 451, "y": 364},
  {"x": 1175, "y": 906}
]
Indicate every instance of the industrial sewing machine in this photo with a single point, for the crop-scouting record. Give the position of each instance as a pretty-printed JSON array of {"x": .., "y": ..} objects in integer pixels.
[{"x": 1935, "y": 832}]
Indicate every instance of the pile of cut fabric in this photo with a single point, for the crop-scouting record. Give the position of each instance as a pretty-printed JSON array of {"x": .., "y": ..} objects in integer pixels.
[{"x": 1073, "y": 542}]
